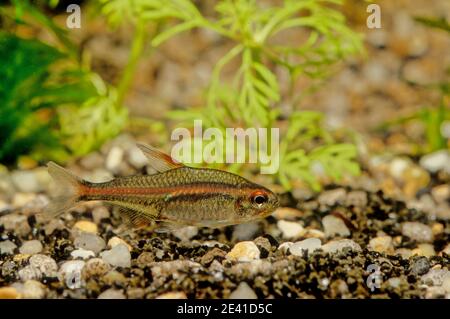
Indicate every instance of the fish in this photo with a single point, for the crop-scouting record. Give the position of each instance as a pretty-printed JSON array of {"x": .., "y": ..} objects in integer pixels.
[{"x": 175, "y": 196}]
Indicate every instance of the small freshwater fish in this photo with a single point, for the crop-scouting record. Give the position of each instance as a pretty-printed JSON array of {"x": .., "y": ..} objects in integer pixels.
[{"x": 177, "y": 195}]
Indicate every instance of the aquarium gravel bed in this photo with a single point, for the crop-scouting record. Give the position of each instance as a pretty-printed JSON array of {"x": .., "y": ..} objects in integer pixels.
[{"x": 339, "y": 243}]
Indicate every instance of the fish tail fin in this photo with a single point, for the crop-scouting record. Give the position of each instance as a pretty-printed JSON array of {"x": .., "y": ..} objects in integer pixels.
[{"x": 68, "y": 191}]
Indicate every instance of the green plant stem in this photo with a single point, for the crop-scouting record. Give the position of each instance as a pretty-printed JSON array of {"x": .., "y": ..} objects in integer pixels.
[{"x": 136, "y": 51}]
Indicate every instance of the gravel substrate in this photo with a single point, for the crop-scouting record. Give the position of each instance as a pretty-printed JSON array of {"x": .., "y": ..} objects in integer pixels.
[{"x": 329, "y": 245}]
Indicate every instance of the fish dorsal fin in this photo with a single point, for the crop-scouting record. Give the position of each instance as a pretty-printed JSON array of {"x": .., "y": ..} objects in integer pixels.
[{"x": 160, "y": 161}]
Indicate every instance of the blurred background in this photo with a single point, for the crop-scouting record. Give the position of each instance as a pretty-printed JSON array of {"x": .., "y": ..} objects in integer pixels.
[{"x": 364, "y": 119}]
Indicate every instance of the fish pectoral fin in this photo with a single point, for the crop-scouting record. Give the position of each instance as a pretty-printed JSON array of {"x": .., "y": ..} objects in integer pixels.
[
  {"x": 160, "y": 161},
  {"x": 166, "y": 227},
  {"x": 133, "y": 218}
]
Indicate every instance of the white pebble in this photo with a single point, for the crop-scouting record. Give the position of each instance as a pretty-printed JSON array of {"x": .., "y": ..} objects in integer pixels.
[
  {"x": 339, "y": 245},
  {"x": 89, "y": 241},
  {"x": 31, "y": 247},
  {"x": 417, "y": 231},
  {"x": 309, "y": 245},
  {"x": 290, "y": 229},
  {"x": 70, "y": 273},
  {"x": 243, "y": 291},
  {"x": 244, "y": 251},
  {"x": 334, "y": 226},
  {"x": 118, "y": 256},
  {"x": 436, "y": 161},
  {"x": 7, "y": 247},
  {"x": 111, "y": 294},
  {"x": 114, "y": 159},
  {"x": 82, "y": 253}
]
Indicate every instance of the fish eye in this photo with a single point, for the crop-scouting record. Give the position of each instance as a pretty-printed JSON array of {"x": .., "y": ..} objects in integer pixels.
[{"x": 259, "y": 198}]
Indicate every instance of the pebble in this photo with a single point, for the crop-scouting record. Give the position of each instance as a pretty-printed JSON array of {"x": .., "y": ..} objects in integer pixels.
[
  {"x": 424, "y": 250},
  {"x": 435, "y": 293},
  {"x": 82, "y": 253},
  {"x": 112, "y": 294},
  {"x": 339, "y": 245},
  {"x": 417, "y": 231},
  {"x": 45, "y": 264},
  {"x": 29, "y": 273},
  {"x": 287, "y": 213},
  {"x": 136, "y": 158},
  {"x": 33, "y": 289},
  {"x": 99, "y": 213},
  {"x": 309, "y": 245},
  {"x": 420, "y": 266},
  {"x": 4, "y": 206},
  {"x": 172, "y": 295},
  {"x": 356, "y": 198},
  {"x": 404, "y": 252},
  {"x": 435, "y": 277},
  {"x": 290, "y": 229},
  {"x": 332, "y": 197},
  {"x": 414, "y": 179},
  {"x": 314, "y": 233},
  {"x": 21, "y": 200},
  {"x": 99, "y": 175},
  {"x": 70, "y": 273},
  {"x": 441, "y": 193},
  {"x": 284, "y": 247},
  {"x": 7, "y": 247},
  {"x": 437, "y": 229},
  {"x": 114, "y": 241},
  {"x": 398, "y": 166},
  {"x": 264, "y": 246},
  {"x": 92, "y": 161},
  {"x": 9, "y": 293},
  {"x": 446, "y": 284},
  {"x": 94, "y": 267},
  {"x": 334, "y": 226},
  {"x": 446, "y": 250},
  {"x": 25, "y": 181},
  {"x": 135, "y": 293},
  {"x": 436, "y": 161},
  {"x": 114, "y": 159},
  {"x": 17, "y": 223},
  {"x": 243, "y": 291},
  {"x": 114, "y": 277},
  {"x": 244, "y": 251},
  {"x": 89, "y": 241},
  {"x": 31, "y": 247},
  {"x": 86, "y": 226},
  {"x": 382, "y": 244},
  {"x": 118, "y": 256},
  {"x": 394, "y": 282},
  {"x": 53, "y": 225},
  {"x": 185, "y": 233},
  {"x": 419, "y": 71},
  {"x": 246, "y": 231}
]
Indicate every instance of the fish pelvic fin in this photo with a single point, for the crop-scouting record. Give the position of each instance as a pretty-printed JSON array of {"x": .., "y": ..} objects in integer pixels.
[
  {"x": 160, "y": 161},
  {"x": 68, "y": 191}
]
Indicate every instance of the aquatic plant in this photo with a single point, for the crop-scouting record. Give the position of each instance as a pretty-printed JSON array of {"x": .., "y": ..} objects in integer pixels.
[
  {"x": 250, "y": 100},
  {"x": 431, "y": 117},
  {"x": 53, "y": 106}
]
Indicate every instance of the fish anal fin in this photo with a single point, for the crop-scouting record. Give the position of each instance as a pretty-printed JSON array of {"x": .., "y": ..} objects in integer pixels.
[
  {"x": 134, "y": 219},
  {"x": 160, "y": 161}
]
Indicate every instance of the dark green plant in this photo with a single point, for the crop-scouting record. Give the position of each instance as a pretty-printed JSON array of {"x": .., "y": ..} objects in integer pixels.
[
  {"x": 52, "y": 107},
  {"x": 251, "y": 97}
]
